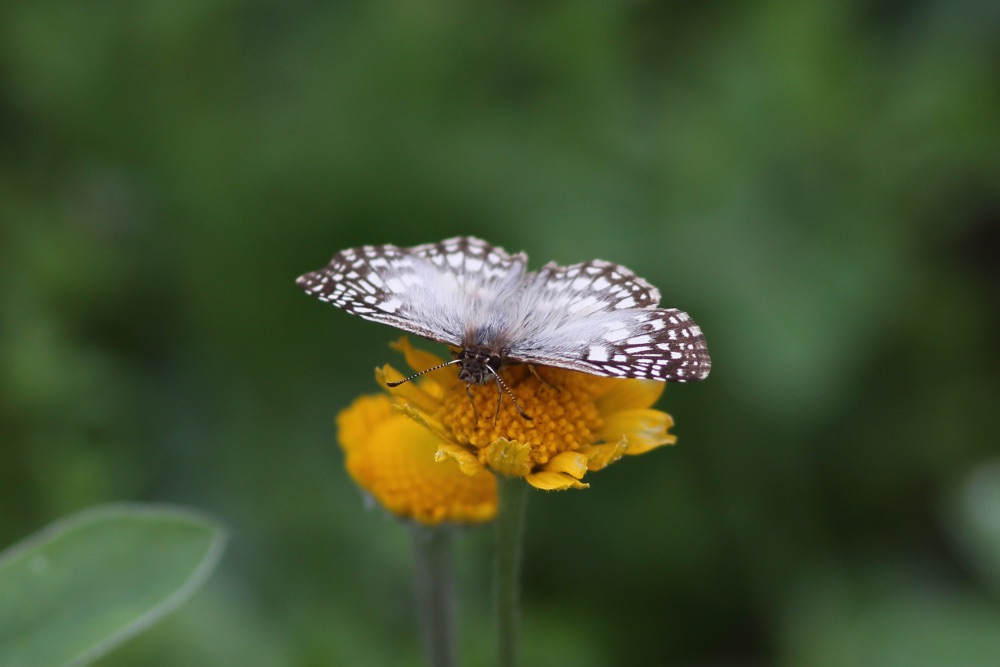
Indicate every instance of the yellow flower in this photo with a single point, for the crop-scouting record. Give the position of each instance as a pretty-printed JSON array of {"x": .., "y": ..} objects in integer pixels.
[
  {"x": 392, "y": 458},
  {"x": 579, "y": 422}
]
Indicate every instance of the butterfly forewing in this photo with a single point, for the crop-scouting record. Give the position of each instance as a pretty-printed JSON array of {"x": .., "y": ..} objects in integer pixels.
[
  {"x": 378, "y": 283},
  {"x": 432, "y": 290},
  {"x": 475, "y": 263},
  {"x": 591, "y": 287}
]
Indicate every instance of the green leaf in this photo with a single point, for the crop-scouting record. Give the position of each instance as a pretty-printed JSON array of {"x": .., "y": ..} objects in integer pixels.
[{"x": 83, "y": 585}]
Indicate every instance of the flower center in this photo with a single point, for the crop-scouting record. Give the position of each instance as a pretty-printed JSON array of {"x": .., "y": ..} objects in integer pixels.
[{"x": 561, "y": 405}]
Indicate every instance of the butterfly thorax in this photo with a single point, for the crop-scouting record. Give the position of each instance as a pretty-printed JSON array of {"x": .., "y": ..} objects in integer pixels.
[{"x": 477, "y": 364}]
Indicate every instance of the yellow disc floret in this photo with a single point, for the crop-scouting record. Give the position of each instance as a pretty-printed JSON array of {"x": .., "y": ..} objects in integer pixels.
[{"x": 561, "y": 405}]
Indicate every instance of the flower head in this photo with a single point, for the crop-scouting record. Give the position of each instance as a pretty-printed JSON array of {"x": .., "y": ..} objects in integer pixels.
[
  {"x": 392, "y": 458},
  {"x": 579, "y": 422}
]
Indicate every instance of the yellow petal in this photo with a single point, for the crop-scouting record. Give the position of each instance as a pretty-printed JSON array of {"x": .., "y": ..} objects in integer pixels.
[
  {"x": 644, "y": 429},
  {"x": 467, "y": 461},
  {"x": 554, "y": 481},
  {"x": 355, "y": 424},
  {"x": 392, "y": 459},
  {"x": 629, "y": 395},
  {"x": 570, "y": 463},
  {"x": 410, "y": 392},
  {"x": 509, "y": 457},
  {"x": 431, "y": 424},
  {"x": 418, "y": 360},
  {"x": 603, "y": 455}
]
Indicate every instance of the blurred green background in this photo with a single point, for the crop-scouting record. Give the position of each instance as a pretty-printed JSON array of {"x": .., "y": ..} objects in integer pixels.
[{"x": 818, "y": 184}]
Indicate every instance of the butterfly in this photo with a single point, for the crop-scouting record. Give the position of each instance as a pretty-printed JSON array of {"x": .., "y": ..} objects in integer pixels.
[{"x": 596, "y": 317}]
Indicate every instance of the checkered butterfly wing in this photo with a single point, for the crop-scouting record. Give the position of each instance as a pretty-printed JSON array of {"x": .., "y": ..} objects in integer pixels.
[
  {"x": 601, "y": 318},
  {"x": 595, "y": 317},
  {"x": 431, "y": 290}
]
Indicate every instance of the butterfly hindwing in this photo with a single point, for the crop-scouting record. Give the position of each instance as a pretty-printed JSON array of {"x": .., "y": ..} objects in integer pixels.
[{"x": 658, "y": 344}]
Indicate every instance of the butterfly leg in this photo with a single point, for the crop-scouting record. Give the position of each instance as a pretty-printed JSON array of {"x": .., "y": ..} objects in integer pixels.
[
  {"x": 531, "y": 368},
  {"x": 472, "y": 400},
  {"x": 496, "y": 417}
]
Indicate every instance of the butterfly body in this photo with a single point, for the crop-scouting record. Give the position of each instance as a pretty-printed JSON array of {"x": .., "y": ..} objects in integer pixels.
[
  {"x": 596, "y": 316},
  {"x": 478, "y": 364}
]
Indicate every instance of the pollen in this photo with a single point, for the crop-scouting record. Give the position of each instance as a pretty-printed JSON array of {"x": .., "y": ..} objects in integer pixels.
[{"x": 562, "y": 406}]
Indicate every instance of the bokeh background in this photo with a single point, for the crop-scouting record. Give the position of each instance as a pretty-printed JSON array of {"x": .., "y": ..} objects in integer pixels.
[{"x": 817, "y": 183}]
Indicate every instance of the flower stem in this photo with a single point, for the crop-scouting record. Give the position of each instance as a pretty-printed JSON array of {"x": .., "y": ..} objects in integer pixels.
[
  {"x": 513, "y": 499},
  {"x": 434, "y": 589}
]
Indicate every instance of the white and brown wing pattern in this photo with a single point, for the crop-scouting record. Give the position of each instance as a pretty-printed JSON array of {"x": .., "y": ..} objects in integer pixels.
[
  {"x": 601, "y": 318},
  {"x": 430, "y": 290},
  {"x": 597, "y": 317},
  {"x": 378, "y": 283},
  {"x": 657, "y": 344}
]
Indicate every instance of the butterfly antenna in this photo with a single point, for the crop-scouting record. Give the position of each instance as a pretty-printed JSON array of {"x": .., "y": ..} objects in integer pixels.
[
  {"x": 505, "y": 388},
  {"x": 426, "y": 370}
]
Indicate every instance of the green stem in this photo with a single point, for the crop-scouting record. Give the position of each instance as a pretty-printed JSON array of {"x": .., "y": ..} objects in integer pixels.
[
  {"x": 513, "y": 499},
  {"x": 434, "y": 589}
]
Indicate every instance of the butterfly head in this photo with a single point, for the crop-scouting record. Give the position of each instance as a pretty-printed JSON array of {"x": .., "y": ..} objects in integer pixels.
[{"x": 476, "y": 365}]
